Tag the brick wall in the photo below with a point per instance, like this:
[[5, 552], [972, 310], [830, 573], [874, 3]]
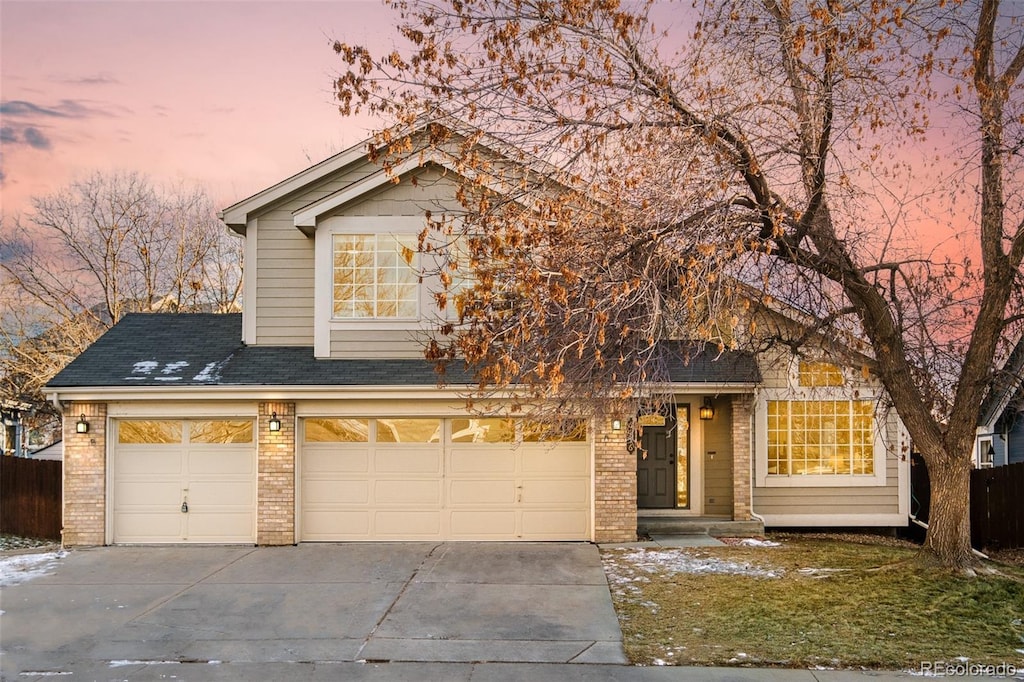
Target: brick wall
[[614, 486], [742, 406], [85, 476], [275, 515]]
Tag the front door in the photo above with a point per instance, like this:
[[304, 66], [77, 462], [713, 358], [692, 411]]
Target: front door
[[656, 467]]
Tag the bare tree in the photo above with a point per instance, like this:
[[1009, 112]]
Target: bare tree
[[771, 143], [99, 248]]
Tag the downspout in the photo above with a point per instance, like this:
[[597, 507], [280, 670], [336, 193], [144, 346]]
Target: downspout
[[753, 455]]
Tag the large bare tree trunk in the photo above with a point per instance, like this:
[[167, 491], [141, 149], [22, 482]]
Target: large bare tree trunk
[[949, 519]]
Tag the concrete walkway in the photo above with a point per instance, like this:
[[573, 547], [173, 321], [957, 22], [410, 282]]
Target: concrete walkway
[[408, 611]]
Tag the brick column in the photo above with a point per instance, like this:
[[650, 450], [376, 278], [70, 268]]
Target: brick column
[[85, 476], [614, 485], [275, 512], [741, 447]]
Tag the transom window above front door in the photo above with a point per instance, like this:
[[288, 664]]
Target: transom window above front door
[[375, 276]]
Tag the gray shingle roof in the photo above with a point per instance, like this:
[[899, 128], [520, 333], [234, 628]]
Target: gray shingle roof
[[174, 350]]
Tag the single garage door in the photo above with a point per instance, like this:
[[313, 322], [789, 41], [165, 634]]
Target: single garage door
[[180, 481], [442, 479]]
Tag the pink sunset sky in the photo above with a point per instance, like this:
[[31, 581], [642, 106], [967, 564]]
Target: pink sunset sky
[[233, 95]]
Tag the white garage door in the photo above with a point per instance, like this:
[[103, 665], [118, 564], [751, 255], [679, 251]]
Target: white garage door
[[184, 481], [441, 479]]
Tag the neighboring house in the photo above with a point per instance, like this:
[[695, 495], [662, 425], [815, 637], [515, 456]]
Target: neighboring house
[[1000, 438], [53, 452], [312, 415]]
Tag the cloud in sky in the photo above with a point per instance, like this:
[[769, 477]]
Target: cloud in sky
[[66, 108], [95, 79], [27, 135]]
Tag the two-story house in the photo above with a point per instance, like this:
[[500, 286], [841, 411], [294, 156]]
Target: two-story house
[[312, 415]]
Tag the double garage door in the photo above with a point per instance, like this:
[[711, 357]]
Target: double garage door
[[195, 481], [442, 479]]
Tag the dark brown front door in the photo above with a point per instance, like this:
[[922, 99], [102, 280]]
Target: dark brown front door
[[656, 473]]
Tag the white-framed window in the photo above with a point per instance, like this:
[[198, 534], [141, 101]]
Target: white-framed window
[[375, 276], [820, 430]]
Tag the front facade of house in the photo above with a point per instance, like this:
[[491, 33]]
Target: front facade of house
[[312, 416]]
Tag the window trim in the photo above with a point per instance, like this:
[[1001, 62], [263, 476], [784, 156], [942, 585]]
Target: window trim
[[324, 322], [836, 393]]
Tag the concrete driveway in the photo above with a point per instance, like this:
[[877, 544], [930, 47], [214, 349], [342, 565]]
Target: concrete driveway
[[115, 607]]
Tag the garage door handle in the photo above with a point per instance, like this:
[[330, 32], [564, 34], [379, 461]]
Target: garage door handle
[[184, 507]]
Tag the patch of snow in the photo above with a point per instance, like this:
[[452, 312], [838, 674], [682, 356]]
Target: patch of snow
[[42, 673], [145, 367], [172, 367], [674, 561], [122, 663], [753, 542], [21, 568], [167, 378], [658, 661], [211, 373]]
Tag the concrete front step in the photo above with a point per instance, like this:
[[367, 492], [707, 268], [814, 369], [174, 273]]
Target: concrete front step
[[661, 524]]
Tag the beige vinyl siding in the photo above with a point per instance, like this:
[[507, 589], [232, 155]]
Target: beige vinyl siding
[[839, 500], [284, 266], [718, 461], [433, 191], [372, 343]]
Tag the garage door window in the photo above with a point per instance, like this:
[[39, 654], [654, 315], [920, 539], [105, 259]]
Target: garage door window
[[221, 431], [483, 430], [149, 431], [337, 430], [537, 432], [408, 430]]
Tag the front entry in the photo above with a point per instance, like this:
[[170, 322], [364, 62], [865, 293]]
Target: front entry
[[662, 467]]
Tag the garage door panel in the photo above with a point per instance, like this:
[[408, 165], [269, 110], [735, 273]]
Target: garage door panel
[[335, 461], [135, 493], [220, 527], [563, 492], [222, 493], [407, 492], [317, 492], [407, 524], [560, 459], [149, 527], [483, 524], [333, 525], [149, 461], [479, 460], [555, 525], [408, 460], [482, 492], [227, 461]]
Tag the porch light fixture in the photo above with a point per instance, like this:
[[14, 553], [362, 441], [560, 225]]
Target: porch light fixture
[[274, 424], [81, 426], [707, 410], [616, 425]]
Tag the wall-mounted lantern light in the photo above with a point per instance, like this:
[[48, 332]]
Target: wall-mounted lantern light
[[81, 426], [274, 424], [616, 425], [707, 410]]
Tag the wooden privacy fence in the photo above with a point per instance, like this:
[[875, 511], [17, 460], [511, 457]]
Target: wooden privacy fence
[[997, 507], [30, 497]]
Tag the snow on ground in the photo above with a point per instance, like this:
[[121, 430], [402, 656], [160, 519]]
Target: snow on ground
[[754, 542], [20, 568], [622, 568]]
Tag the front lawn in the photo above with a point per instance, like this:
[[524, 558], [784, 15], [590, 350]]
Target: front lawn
[[808, 602]]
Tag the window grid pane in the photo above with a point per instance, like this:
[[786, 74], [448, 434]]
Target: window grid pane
[[375, 276], [820, 437]]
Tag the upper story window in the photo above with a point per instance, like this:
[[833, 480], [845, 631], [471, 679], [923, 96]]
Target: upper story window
[[813, 374], [375, 276]]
